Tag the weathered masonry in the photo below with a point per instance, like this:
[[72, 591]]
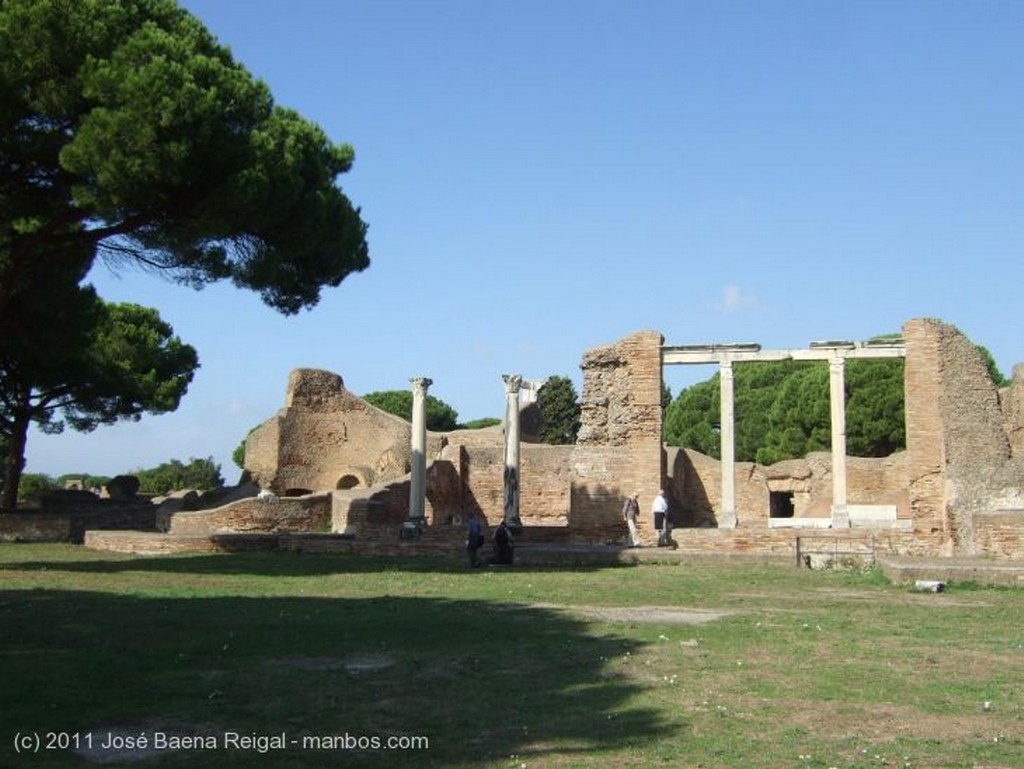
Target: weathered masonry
[[333, 459]]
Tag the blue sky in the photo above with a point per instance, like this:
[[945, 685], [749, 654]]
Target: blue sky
[[543, 177]]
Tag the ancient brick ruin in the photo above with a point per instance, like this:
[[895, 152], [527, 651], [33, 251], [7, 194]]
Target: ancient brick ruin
[[339, 469], [965, 482], [957, 489]]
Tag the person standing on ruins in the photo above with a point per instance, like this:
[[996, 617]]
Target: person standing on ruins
[[659, 508], [630, 511]]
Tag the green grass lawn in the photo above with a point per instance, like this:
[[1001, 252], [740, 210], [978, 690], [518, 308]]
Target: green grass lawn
[[299, 660]]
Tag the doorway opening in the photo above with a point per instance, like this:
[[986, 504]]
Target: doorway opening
[[780, 504]]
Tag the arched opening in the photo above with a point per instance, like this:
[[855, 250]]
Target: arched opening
[[348, 481]]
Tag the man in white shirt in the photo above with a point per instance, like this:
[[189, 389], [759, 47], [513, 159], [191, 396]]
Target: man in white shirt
[[660, 510]]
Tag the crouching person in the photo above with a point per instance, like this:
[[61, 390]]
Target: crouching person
[[504, 547]]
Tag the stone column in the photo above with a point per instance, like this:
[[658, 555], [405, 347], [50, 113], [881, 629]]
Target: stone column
[[837, 403], [727, 433], [511, 510], [418, 459]]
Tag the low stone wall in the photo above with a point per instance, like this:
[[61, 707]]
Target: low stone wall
[[149, 543], [784, 541], [307, 513], [981, 571], [35, 527], [313, 543], [71, 526]]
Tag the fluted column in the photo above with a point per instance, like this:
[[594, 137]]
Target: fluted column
[[511, 510]]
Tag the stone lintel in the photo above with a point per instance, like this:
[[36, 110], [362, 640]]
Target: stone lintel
[[714, 354]]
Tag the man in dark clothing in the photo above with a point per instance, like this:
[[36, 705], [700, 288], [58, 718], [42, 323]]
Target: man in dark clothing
[[504, 547]]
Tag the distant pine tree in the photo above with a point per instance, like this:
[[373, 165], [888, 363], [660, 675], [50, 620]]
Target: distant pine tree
[[559, 411]]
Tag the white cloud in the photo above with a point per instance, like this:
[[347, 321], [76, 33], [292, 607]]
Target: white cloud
[[734, 299], [236, 408]]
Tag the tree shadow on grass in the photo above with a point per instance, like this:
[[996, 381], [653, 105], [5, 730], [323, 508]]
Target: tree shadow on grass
[[482, 681], [270, 563]]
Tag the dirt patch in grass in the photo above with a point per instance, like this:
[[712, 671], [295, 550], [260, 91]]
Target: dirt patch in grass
[[781, 602], [655, 615]]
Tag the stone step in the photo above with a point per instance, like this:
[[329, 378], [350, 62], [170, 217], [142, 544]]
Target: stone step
[[902, 570]]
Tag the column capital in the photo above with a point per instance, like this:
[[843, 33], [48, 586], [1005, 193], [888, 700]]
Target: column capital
[[512, 382], [421, 383]]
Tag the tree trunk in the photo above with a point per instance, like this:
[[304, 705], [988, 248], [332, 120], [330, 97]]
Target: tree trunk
[[15, 461]]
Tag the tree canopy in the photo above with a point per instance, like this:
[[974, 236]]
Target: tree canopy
[[127, 361], [203, 474], [559, 411], [127, 131], [482, 422], [993, 368], [440, 416], [782, 410]]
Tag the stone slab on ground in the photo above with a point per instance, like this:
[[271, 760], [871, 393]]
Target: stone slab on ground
[[901, 570]]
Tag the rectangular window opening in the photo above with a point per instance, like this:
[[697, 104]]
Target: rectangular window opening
[[781, 504]]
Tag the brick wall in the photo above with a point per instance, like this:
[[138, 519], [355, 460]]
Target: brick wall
[[1000, 534], [545, 478], [602, 478], [619, 445], [960, 465], [925, 444]]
